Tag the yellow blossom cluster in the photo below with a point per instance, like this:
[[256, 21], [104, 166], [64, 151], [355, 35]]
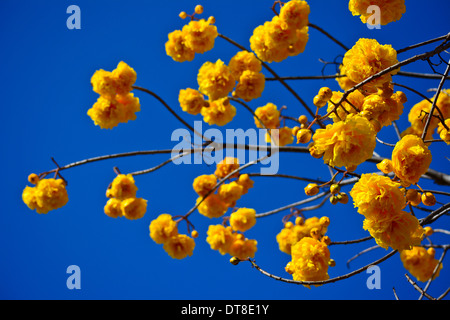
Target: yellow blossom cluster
[[268, 117], [365, 59], [380, 200], [246, 69], [46, 195], [122, 199], [294, 232], [228, 241], [285, 35], [215, 204], [390, 10], [198, 36], [116, 104], [345, 143], [420, 112], [420, 262], [164, 230], [310, 258]]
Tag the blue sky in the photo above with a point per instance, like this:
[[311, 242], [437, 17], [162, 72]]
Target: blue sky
[[46, 93]]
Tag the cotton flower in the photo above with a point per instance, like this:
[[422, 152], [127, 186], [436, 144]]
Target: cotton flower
[[293, 233], [119, 81], [410, 159], [346, 143], [191, 101], [226, 166], [244, 61], [220, 238], [243, 219], [269, 115], [377, 197], [354, 105], [215, 80], [250, 85], [280, 137], [200, 35], [390, 10], [421, 263], [229, 193], [444, 134], [401, 232], [295, 13], [243, 248], [163, 228], [383, 109], [113, 208], [134, 208], [212, 206], [47, 195], [219, 112], [122, 187], [176, 47], [179, 246], [310, 260], [366, 58], [246, 183], [204, 184]]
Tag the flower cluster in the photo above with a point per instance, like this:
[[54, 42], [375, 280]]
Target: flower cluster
[[198, 36], [285, 35], [420, 262], [390, 11], [268, 117], [116, 104], [246, 69], [215, 205], [46, 195], [310, 258], [381, 202], [365, 59], [294, 232], [122, 199], [164, 230], [345, 143], [228, 241]]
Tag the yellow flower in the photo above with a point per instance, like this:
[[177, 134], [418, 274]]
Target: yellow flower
[[215, 80], [344, 82], [219, 112], [243, 248], [220, 238], [119, 81], [229, 193], [443, 103], [281, 137], [346, 143], [421, 263], [410, 159], [356, 99], [383, 109], [401, 232], [366, 58], [226, 166], [47, 195], [246, 183], [299, 44], [444, 134], [295, 13], [109, 112], [191, 101], [378, 197], [113, 208], [250, 85], [122, 187], [242, 61], [212, 206], [390, 10], [243, 219], [134, 208], [179, 246], [269, 116], [176, 47], [199, 35], [163, 228], [310, 259], [204, 184], [291, 234]]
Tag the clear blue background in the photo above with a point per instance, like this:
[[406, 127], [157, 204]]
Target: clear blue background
[[46, 92]]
